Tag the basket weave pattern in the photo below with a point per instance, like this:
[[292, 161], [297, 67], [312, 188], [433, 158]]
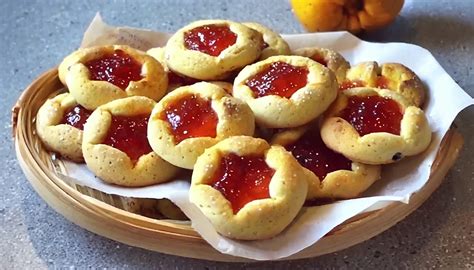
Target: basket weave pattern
[[119, 218]]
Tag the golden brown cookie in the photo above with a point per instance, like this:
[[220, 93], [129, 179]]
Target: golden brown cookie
[[273, 43], [330, 175], [328, 58], [153, 208], [375, 126], [192, 118], [116, 148], [101, 74], [174, 80], [228, 87], [212, 49], [391, 76], [59, 124], [159, 54], [286, 91], [248, 189]]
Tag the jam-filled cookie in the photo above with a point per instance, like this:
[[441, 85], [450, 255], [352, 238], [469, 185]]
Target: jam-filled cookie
[[286, 91], [212, 49], [228, 87], [375, 126], [248, 189], [174, 80], [273, 43], [101, 74], [59, 124], [192, 118], [328, 58], [330, 175], [391, 76], [116, 148]]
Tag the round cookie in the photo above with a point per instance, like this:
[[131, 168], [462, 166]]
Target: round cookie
[[192, 118], [328, 58], [59, 124], [273, 43], [225, 189], [228, 87], [174, 80], [330, 175], [101, 74], [212, 49], [391, 76], [375, 126], [116, 148], [286, 91]]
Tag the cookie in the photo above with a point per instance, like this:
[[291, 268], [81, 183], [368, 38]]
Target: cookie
[[392, 76], [330, 175], [286, 91], [59, 124], [212, 49], [375, 126], [273, 43], [116, 148], [174, 80], [192, 118], [97, 75], [248, 189], [328, 58]]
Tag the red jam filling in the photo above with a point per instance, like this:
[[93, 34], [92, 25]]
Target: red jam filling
[[314, 155], [382, 82], [320, 59], [264, 45], [191, 117], [350, 84], [76, 117], [280, 79], [180, 79], [209, 39], [129, 134], [242, 179], [373, 114], [117, 68]]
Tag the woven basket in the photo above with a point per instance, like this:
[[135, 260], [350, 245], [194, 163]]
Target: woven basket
[[118, 218]]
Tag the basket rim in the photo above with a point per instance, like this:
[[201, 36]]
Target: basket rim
[[29, 161]]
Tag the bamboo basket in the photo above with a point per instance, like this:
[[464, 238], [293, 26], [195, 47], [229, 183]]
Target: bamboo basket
[[115, 218]]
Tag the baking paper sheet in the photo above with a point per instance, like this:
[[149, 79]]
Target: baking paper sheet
[[445, 100]]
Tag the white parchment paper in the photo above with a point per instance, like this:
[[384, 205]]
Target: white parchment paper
[[445, 100]]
